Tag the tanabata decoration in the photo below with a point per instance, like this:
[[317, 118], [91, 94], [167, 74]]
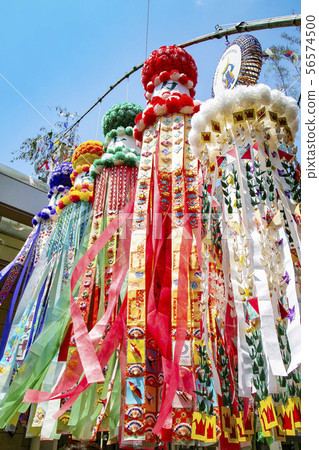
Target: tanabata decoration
[[43, 223], [184, 296], [115, 175], [164, 294], [160, 317], [48, 286], [244, 139], [22, 328], [240, 64]]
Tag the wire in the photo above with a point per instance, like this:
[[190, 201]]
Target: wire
[[147, 23], [26, 100]]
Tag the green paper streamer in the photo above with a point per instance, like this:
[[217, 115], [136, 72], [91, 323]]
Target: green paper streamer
[[47, 344]]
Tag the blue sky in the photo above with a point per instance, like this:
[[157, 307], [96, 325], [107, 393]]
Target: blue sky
[[68, 53]]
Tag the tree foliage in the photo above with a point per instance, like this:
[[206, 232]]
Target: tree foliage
[[50, 147], [283, 64]]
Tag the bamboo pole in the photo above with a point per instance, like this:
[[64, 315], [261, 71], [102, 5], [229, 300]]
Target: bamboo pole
[[255, 25], [240, 27]]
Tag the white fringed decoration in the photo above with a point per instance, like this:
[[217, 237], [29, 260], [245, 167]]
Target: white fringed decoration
[[245, 137]]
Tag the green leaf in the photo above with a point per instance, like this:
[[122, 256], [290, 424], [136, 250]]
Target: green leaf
[[296, 376], [269, 180], [282, 381], [224, 373], [226, 398], [256, 383], [256, 335], [224, 360], [286, 359], [249, 176], [201, 394], [271, 197], [249, 340], [200, 378], [224, 386], [224, 184], [220, 350], [291, 390], [283, 397], [260, 361], [262, 375], [226, 193], [252, 355], [255, 368], [259, 347], [200, 350], [265, 391], [202, 406], [276, 397]]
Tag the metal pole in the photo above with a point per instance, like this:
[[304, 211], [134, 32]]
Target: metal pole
[[254, 25]]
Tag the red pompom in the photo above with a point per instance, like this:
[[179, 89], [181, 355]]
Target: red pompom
[[183, 79], [173, 104], [138, 135], [164, 76], [138, 117], [186, 100], [157, 100], [150, 88], [149, 116], [167, 59]]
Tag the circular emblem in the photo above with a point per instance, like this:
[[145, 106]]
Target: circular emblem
[[240, 64]]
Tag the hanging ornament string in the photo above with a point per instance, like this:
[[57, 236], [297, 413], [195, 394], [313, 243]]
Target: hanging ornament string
[[127, 87], [98, 120], [147, 23]]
